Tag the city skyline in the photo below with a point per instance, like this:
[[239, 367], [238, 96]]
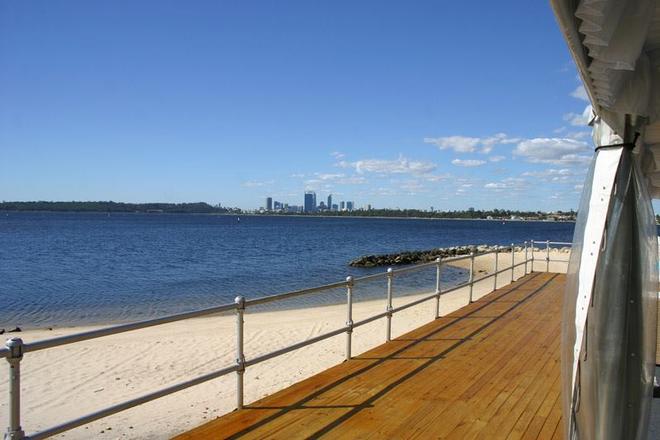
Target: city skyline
[[309, 204]]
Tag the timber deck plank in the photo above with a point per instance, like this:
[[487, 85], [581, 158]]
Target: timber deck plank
[[488, 370]]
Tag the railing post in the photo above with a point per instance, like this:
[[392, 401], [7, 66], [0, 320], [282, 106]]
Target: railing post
[[497, 253], [14, 430], [438, 273], [531, 269], [471, 273], [240, 354], [547, 256], [349, 315], [525, 257], [513, 260], [390, 278]]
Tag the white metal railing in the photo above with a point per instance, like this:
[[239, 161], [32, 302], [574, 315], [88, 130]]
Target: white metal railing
[[15, 348]]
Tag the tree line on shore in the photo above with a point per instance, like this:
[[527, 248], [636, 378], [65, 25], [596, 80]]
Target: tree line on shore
[[205, 208], [173, 208], [455, 214]]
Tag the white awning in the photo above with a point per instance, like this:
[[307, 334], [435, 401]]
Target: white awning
[[616, 47]]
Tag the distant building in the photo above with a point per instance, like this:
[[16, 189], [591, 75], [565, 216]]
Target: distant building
[[329, 201], [269, 203], [349, 206], [277, 206], [369, 207], [342, 205], [310, 201], [335, 207], [322, 206]]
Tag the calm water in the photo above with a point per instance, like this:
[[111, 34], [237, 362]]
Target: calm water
[[64, 269]]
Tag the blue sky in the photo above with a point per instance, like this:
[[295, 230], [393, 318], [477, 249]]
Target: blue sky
[[396, 104]]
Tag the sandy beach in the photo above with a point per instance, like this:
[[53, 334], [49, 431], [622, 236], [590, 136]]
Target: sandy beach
[[66, 382]]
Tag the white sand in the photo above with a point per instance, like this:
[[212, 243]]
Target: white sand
[[66, 382]]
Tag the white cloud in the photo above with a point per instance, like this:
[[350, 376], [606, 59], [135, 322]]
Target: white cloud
[[574, 119], [579, 120], [437, 177], [468, 162], [553, 175], [257, 183], [510, 184], [412, 186], [398, 166], [495, 185], [338, 178], [578, 135], [550, 172], [352, 180], [323, 176], [460, 144], [337, 155], [496, 158], [464, 144], [558, 151], [580, 93]]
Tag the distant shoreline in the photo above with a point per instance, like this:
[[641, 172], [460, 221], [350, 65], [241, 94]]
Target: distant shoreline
[[225, 214]]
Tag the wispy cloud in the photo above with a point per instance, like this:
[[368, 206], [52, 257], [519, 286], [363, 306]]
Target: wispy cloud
[[496, 158], [436, 177], [579, 120], [464, 144], [509, 184], [554, 175], [469, 163], [558, 151], [334, 178], [580, 93], [578, 135], [412, 186], [337, 155], [401, 165], [257, 183]]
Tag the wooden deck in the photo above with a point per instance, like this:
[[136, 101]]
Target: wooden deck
[[489, 370]]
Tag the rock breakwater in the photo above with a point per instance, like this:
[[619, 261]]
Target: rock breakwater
[[417, 257]]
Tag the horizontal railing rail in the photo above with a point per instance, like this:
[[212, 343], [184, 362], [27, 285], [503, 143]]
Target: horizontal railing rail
[[15, 348]]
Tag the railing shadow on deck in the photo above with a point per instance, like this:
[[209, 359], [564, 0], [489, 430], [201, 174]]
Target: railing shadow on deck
[[395, 355]]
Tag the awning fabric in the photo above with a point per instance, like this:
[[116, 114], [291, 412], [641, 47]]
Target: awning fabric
[[610, 307], [616, 47]]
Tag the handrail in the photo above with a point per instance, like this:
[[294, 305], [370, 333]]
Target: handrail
[[15, 348], [130, 403], [281, 296], [121, 328], [558, 243]]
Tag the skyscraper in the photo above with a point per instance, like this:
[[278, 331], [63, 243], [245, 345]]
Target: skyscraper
[[269, 203], [342, 205], [349, 206], [310, 201], [329, 201]]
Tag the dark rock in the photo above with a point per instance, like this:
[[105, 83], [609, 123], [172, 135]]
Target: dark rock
[[15, 330], [416, 257]]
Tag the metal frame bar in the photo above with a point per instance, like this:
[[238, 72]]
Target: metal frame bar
[[15, 348]]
